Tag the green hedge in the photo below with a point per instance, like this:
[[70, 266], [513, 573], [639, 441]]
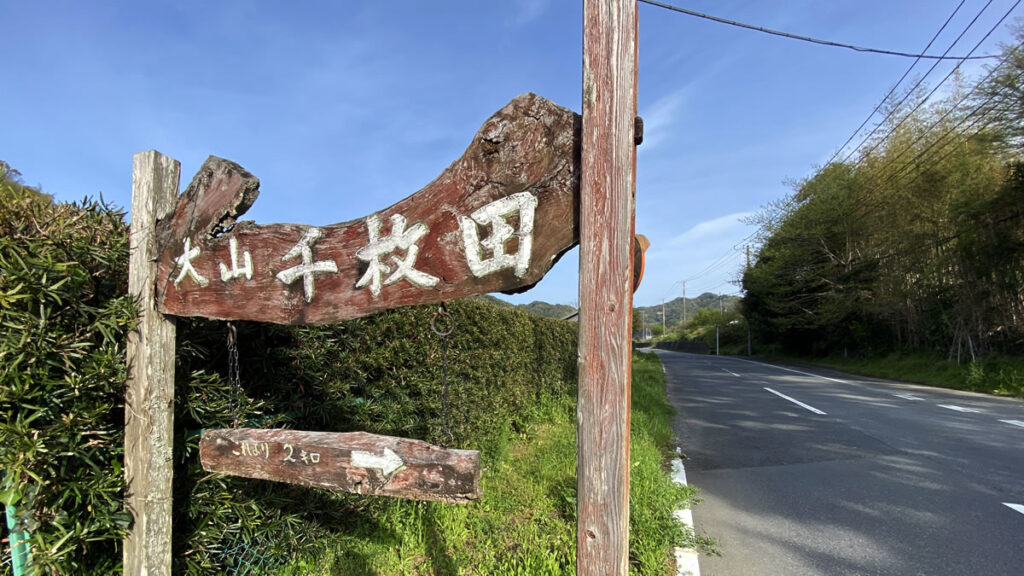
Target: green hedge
[[65, 316]]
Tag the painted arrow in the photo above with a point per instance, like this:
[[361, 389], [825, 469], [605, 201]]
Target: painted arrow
[[387, 463]]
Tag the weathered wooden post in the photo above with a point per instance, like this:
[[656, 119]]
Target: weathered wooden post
[[149, 398], [608, 176]]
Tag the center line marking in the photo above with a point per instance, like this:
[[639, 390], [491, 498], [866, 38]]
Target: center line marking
[[794, 401], [731, 372], [1017, 507], [1014, 422], [907, 396], [957, 408]]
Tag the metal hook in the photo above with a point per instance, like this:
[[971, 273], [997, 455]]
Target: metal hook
[[447, 317]]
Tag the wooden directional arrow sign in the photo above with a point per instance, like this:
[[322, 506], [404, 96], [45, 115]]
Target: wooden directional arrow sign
[[497, 219], [356, 462]]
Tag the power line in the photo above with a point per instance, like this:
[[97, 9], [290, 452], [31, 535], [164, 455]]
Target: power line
[[896, 85], [899, 105], [943, 81], [982, 107], [806, 38], [724, 260], [864, 155]]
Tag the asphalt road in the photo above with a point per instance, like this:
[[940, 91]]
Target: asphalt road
[[866, 477]]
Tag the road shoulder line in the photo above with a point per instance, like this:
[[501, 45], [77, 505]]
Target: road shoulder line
[[687, 562], [790, 370]]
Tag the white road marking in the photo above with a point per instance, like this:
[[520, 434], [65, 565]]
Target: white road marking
[[908, 397], [1017, 507], [792, 370], [957, 408], [731, 372], [1014, 422], [794, 401], [687, 563]]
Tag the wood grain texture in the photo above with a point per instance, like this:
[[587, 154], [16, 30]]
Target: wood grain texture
[[356, 462], [608, 167], [531, 145], [149, 397]]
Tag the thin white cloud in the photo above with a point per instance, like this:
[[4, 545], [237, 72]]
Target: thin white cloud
[[660, 117], [529, 10], [723, 226]]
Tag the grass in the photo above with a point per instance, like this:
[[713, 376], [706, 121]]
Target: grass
[[996, 374], [526, 522]]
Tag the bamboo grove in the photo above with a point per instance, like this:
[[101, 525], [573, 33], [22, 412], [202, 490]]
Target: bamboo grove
[[915, 243]]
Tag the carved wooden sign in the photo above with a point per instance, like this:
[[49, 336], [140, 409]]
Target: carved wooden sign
[[356, 462], [497, 219]]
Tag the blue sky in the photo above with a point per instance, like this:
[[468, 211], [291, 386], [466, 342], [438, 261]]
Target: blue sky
[[343, 108]]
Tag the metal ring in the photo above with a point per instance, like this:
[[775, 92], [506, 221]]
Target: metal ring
[[442, 313]]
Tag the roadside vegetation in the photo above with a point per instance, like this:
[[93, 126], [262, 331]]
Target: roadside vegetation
[[526, 522], [995, 374], [907, 258]]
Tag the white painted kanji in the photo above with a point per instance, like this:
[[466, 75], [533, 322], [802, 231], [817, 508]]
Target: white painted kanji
[[187, 269], [398, 239], [236, 272], [496, 215], [308, 269]]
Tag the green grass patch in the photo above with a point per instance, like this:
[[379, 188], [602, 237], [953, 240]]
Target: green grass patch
[[996, 374], [526, 522]]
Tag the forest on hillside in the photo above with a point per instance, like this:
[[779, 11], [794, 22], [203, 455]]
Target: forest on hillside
[[675, 308], [915, 242]]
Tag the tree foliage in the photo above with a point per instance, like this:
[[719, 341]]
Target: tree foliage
[[918, 244]]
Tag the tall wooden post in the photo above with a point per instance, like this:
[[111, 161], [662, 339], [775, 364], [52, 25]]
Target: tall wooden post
[[608, 176], [149, 399]]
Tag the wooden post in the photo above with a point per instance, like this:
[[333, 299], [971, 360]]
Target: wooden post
[[149, 398], [608, 172]]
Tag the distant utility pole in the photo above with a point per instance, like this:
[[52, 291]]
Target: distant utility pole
[[684, 302], [721, 307], [663, 316], [716, 339]]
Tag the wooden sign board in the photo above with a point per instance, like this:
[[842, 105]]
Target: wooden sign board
[[356, 462], [496, 220]]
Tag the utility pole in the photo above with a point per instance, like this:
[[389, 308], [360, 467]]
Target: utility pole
[[608, 138], [716, 339], [684, 302], [662, 316]]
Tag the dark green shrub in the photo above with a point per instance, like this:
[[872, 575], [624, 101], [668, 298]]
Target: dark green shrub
[[65, 316]]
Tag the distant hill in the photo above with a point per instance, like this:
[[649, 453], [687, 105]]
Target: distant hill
[[536, 307], [674, 308]]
